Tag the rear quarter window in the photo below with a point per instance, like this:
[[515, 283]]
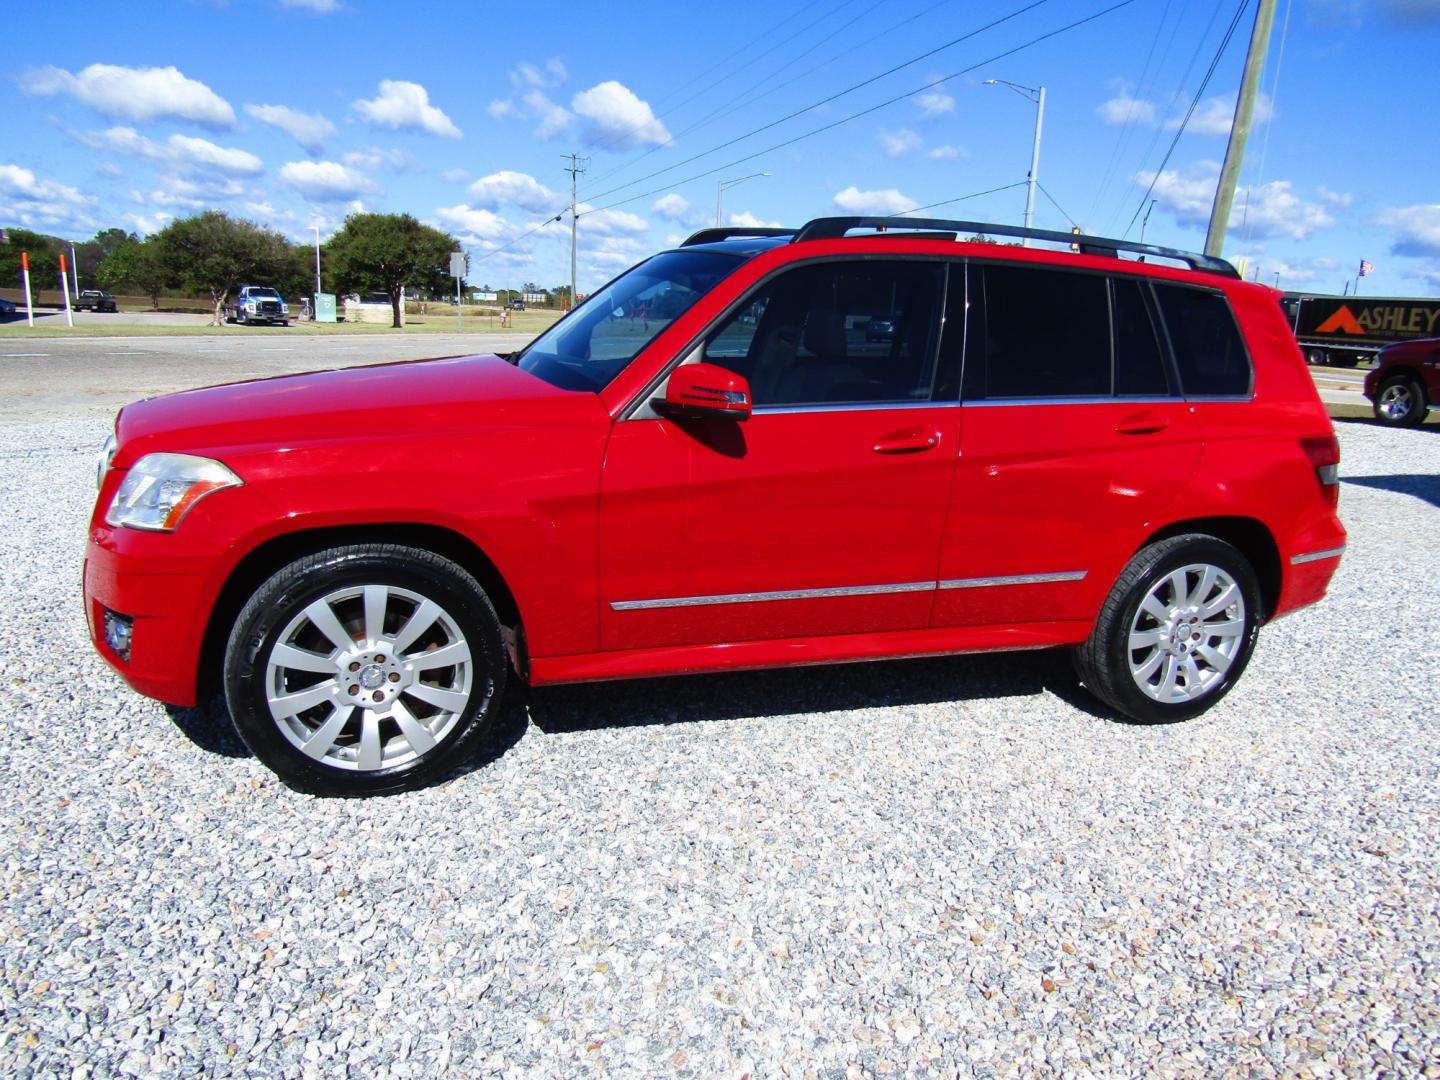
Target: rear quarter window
[[1209, 351]]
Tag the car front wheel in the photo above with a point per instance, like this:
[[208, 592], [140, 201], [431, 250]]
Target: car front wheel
[[1400, 402], [1176, 631], [365, 670]]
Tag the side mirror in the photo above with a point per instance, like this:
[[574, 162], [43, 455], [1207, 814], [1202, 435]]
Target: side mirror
[[705, 391]]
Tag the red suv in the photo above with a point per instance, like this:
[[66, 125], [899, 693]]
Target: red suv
[[712, 465]]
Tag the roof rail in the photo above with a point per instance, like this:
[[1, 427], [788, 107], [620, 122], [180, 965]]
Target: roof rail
[[833, 228], [712, 236]]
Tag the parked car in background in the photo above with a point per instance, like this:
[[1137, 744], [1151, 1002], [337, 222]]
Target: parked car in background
[[257, 304], [9, 310], [1405, 383], [362, 559], [94, 300]]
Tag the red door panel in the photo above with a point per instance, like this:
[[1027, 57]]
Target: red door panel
[[1047, 492], [845, 506]]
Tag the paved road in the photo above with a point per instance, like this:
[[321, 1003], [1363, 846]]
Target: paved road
[[73, 376], [58, 377]]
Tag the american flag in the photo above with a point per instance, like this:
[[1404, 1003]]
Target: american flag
[[1366, 267]]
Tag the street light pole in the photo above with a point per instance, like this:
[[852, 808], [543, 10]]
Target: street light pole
[[721, 185], [1036, 95]]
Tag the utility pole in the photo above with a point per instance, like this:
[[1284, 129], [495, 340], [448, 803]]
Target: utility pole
[[574, 170], [1240, 129]]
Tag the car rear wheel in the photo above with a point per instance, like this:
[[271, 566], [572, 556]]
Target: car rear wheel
[[365, 670], [1176, 631], [1400, 402]]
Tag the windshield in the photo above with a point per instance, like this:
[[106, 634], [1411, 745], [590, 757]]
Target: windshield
[[263, 294], [592, 345]]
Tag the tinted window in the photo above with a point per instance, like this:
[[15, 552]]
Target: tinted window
[[1139, 363], [1037, 333], [836, 333], [594, 343], [1208, 350]]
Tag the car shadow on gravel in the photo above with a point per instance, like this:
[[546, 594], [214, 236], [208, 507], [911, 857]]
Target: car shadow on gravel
[[1420, 485], [1429, 427], [788, 691]]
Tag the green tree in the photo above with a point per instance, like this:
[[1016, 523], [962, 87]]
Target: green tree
[[214, 253], [44, 261], [132, 265], [375, 252]]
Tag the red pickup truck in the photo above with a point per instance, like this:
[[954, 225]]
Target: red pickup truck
[[1405, 383]]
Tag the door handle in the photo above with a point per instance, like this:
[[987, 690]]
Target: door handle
[[909, 441], [1141, 423]]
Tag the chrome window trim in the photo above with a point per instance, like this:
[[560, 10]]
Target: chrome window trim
[[1316, 556], [1011, 579], [982, 403], [782, 594], [858, 406]]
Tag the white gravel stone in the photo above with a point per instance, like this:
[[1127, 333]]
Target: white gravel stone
[[944, 867]]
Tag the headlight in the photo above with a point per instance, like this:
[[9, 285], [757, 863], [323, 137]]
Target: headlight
[[249, 305], [160, 489], [107, 455]]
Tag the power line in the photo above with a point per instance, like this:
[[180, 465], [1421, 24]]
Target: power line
[[839, 94], [961, 198], [865, 112], [704, 87], [1195, 101], [727, 104], [1057, 206]]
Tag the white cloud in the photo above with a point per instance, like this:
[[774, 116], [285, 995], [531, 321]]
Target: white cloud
[[1415, 229], [948, 153], [179, 151], [406, 105], [323, 7], [372, 157], [190, 194], [553, 118], [1271, 209], [672, 207], [935, 101], [854, 201], [309, 130], [527, 74], [747, 220], [455, 176], [1214, 115], [476, 226], [326, 180], [506, 188], [137, 94], [529, 98], [899, 143], [617, 118], [17, 182], [149, 223], [1124, 109], [611, 222]]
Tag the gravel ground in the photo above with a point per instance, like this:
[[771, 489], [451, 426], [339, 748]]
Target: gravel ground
[[946, 867]]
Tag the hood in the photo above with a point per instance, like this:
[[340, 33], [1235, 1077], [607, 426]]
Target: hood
[[381, 401]]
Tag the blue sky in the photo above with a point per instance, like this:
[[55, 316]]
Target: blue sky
[[294, 112]]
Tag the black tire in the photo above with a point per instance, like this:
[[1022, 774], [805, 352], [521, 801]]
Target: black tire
[[1317, 357], [1400, 402], [353, 761], [1105, 662]]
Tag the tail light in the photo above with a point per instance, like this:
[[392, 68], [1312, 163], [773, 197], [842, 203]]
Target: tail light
[[1323, 452]]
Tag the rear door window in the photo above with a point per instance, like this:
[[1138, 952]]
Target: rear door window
[[1140, 368], [1037, 333], [1209, 351]]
